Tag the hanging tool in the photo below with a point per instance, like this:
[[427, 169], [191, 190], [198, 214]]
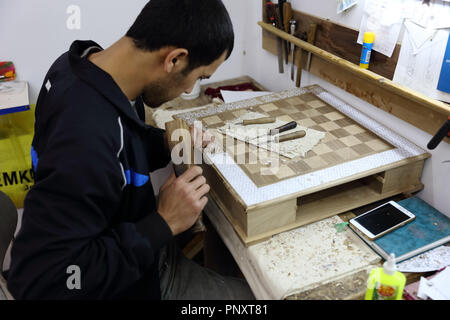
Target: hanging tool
[[258, 121], [280, 129], [272, 16], [292, 24], [303, 37], [311, 39], [287, 16]]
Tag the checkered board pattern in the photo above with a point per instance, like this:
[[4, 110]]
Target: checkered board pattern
[[345, 139]]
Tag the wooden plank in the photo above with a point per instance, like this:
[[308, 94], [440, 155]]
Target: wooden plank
[[411, 106], [267, 219], [403, 176], [341, 181]]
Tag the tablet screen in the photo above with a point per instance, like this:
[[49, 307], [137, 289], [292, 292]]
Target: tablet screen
[[382, 219]]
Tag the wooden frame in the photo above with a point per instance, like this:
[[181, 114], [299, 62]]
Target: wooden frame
[[413, 107]]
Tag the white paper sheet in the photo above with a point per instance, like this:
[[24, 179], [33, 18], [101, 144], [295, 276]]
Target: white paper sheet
[[385, 19], [233, 96], [421, 71], [437, 288]]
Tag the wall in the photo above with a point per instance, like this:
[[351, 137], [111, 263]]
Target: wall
[[262, 66]]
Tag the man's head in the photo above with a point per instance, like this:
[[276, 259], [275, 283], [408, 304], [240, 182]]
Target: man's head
[[193, 37]]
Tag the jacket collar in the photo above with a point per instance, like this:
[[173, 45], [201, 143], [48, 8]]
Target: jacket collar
[[103, 82]]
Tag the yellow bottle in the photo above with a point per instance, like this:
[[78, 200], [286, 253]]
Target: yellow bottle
[[385, 283], [368, 40]]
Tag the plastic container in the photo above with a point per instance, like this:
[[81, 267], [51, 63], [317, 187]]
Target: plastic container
[[385, 283], [368, 40]]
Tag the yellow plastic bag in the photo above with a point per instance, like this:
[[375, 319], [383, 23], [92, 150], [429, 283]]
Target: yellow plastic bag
[[16, 173]]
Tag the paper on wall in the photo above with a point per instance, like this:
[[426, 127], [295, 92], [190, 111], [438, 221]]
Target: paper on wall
[[420, 69], [385, 19]]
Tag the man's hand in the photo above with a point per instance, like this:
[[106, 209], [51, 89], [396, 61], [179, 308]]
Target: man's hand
[[182, 199], [200, 137]]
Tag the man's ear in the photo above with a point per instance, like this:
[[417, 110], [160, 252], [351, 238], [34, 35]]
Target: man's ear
[[176, 59]]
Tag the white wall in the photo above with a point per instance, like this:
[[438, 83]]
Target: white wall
[[33, 34]]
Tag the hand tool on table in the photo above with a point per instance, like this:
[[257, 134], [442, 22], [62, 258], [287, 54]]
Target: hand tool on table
[[290, 136], [292, 24], [272, 16], [301, 36], [283, 128], [280, 129], [285, 15], [258, 121], [311, 38]]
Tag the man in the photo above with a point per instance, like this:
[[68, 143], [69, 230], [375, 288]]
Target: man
[[91, 227]]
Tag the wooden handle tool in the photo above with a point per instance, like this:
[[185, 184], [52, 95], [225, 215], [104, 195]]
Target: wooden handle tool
[[259, 121], [283, 128], [291, 136]]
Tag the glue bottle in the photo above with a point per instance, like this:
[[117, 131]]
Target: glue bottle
[[369, 37], [386, 283]]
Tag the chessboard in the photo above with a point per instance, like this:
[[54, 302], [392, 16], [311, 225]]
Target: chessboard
[[357, 162], [345, 139]]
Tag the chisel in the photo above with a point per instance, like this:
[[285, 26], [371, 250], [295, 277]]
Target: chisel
[[258, 121], [273, 17], [283, 128], [293, 25], [280, 129], [287, 16], [311, 39], [282, 10], [290, 136]]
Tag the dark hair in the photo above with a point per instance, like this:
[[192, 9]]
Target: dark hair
[[203, 27]]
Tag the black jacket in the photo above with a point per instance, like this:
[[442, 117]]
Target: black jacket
[[92, 205]]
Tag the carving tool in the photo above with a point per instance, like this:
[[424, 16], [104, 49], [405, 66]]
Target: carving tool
[[283, 128], [311, 39], [293, 25], [290, 136], [272, 16], [302, 36], [286, 16], [258, 121]]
